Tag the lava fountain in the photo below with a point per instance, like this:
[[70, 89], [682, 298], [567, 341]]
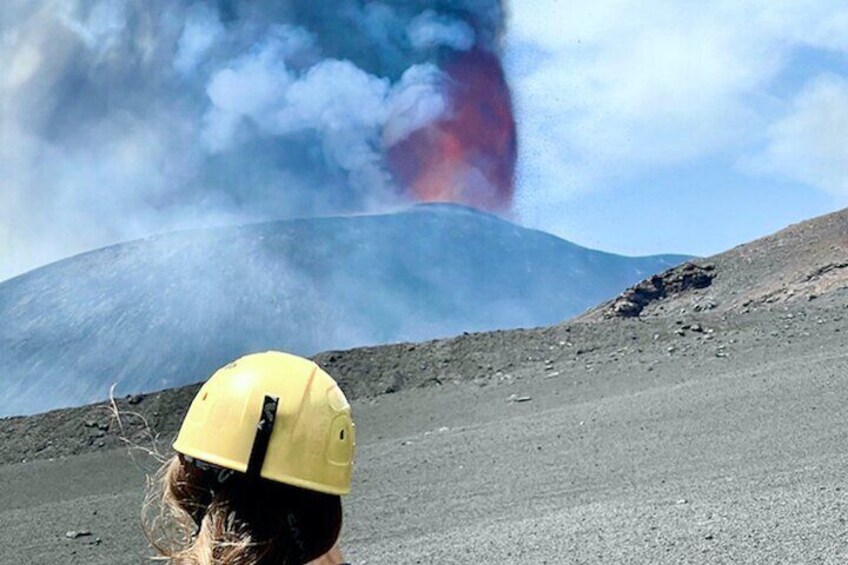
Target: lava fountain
[[467, 156]]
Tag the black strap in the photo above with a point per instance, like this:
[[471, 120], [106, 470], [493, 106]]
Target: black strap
[[263, 435]]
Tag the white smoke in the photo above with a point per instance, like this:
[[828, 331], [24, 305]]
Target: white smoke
[[415, 101], [431, 30], [123, 118], [201, 31]]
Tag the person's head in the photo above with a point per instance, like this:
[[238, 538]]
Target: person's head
[[263, 455]]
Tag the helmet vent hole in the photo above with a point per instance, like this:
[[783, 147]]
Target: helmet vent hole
[[205, 394], [341, 435]]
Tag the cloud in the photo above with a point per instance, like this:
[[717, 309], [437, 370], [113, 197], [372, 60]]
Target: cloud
[[201, 30], [810, 143], [820, 24], [620, 89], [430, 30], [626, 86]]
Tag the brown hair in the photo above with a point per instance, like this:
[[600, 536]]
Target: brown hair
[[203, 515]]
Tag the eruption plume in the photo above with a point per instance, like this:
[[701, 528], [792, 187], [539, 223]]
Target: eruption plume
[[122, 118], [468, 155]]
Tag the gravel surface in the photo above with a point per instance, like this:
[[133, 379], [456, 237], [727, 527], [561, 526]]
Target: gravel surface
[[680, 436], [613, 442]]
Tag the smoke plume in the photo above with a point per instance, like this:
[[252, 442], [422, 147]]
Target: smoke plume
[[122, 118]]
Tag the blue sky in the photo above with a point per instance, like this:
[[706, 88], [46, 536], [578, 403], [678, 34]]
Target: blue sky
[[658, 126]]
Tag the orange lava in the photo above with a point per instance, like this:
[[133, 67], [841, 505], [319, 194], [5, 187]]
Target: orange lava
[[469, 156]]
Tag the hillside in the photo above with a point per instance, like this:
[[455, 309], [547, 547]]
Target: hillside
[[167, 310], [802, 263], [684, 435]]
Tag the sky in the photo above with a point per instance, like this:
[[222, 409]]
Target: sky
[[653, 126], [644, 127]]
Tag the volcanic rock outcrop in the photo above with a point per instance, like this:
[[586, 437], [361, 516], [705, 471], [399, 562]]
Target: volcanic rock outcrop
[[804, 262], [634, 300]]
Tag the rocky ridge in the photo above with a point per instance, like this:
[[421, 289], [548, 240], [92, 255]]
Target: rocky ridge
[[802, 263]]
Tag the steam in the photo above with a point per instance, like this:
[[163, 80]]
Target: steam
[[124, 118], [431, 30]]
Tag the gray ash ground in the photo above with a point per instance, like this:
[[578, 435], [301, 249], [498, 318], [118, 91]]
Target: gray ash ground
[[679, 436]]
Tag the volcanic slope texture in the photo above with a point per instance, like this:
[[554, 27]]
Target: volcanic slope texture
[[159, 312], [681, 435]]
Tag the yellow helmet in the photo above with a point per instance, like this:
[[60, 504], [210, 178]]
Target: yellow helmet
[[273, 415]]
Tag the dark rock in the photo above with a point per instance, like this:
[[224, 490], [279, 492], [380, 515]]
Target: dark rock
[[135, 399], [705, 306], [825, 269], [688, 276]]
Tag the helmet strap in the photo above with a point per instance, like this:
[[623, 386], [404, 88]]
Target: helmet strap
[[263, 436], [220, 474], [299, 549]]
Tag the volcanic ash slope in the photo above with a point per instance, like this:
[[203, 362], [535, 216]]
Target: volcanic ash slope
[[168, 310], [685, 434], [805, 262]]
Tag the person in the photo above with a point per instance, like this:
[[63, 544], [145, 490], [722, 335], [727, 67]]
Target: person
[[263, 456]]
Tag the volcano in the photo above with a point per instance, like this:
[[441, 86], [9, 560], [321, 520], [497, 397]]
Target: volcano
[[164, 311]]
